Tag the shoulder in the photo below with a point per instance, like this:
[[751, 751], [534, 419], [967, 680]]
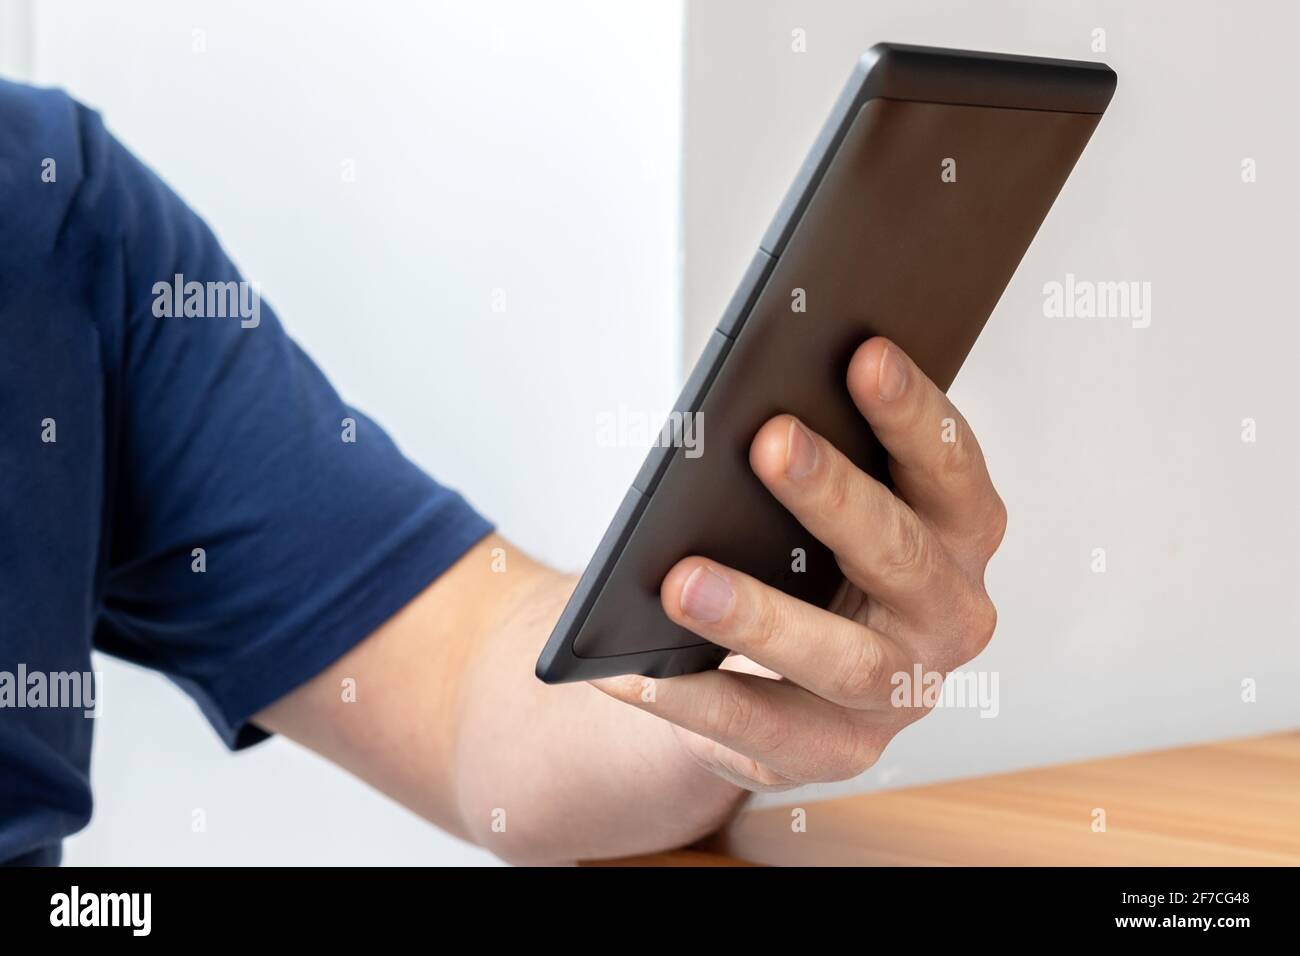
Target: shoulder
[[57, 165]]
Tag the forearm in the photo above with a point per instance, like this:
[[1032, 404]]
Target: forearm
[[552, 773], [448, 719]]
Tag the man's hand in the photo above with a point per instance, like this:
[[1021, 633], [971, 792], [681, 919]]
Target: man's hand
[[449, 719], [818, 705]]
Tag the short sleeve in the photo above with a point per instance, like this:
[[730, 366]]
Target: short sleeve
[[257, 526]]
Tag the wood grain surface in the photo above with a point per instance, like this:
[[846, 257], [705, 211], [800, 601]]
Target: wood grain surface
[[1230, 803]]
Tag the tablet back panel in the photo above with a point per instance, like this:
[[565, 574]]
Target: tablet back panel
[[876, 240]]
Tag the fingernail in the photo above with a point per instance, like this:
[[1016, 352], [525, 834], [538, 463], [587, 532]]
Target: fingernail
[[800, 451], [706, 596], [893, 375]]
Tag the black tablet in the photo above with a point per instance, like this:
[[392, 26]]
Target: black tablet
[[908, 218]]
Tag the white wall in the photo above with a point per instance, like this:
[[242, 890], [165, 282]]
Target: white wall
[[526, 147], [1098, 435]]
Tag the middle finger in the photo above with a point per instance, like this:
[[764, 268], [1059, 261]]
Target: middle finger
[[880, 543]]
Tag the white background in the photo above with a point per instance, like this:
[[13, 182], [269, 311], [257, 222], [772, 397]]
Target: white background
[[538, 149]]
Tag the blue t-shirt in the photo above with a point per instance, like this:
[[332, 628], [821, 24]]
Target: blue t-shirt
[[179, 485]]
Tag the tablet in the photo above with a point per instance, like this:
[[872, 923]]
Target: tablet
[[918, 200]]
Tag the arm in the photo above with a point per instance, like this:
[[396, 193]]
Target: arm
[[450, 721]]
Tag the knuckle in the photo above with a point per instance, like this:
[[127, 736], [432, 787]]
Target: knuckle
[[730, 714], [858, 683], [996, 528], [981, 622], [860, 757], [986, 536], [910, 553], [853, 748], [738, 715]]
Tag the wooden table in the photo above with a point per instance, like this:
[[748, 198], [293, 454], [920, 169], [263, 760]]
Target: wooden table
[[1219, 804]]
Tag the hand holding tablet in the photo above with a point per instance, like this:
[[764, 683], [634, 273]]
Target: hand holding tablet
[[912, 606], [904, 225]]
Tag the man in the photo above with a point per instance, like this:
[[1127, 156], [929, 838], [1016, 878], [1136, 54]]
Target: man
[[182, 488]]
